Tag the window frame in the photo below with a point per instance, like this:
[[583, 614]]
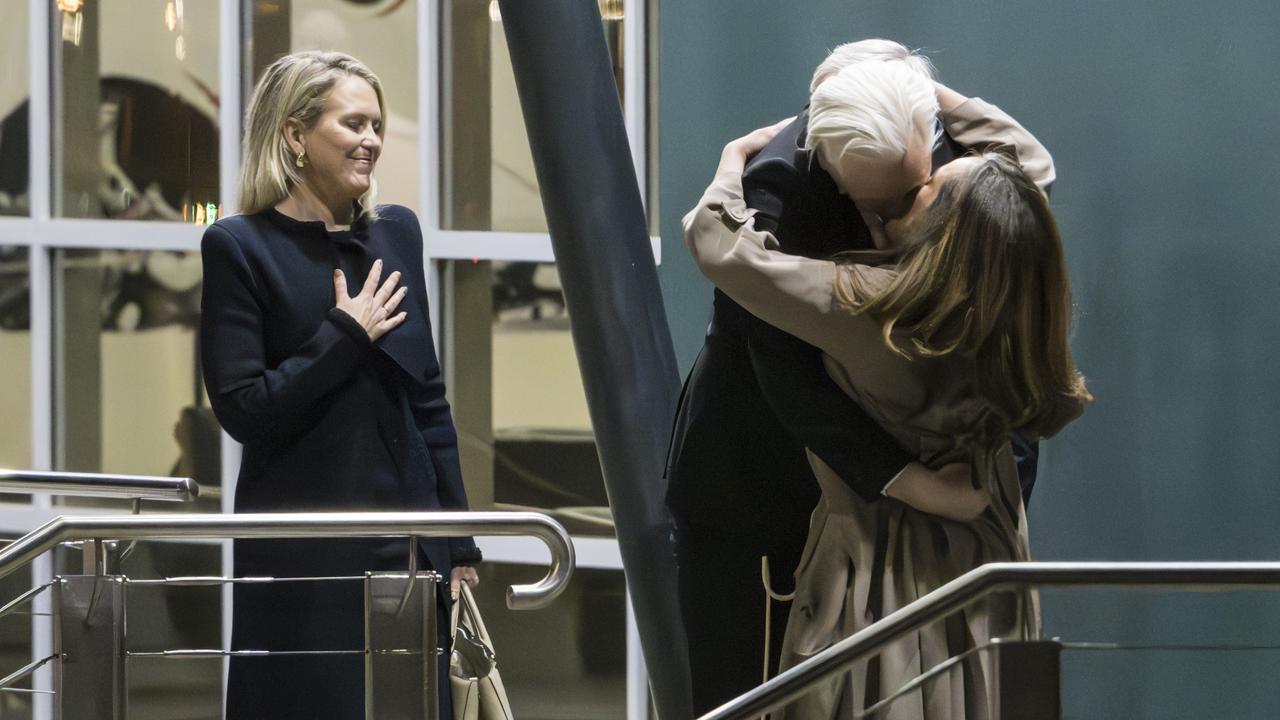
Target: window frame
[[42, 233]]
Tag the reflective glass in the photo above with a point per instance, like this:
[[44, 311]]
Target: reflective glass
[[15, 359], [128, 393], [518, 397], [135, 108], [15, 644], [487, 178], [380, 33], [14, 122], [568, 660]]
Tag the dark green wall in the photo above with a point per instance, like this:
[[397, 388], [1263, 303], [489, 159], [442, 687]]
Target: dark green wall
[[1161, 117]]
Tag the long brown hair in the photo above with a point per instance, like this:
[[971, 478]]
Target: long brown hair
[[983, 275]]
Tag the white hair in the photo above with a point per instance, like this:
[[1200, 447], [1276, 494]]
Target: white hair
[[295, 86], [872, 110], [869, 49]]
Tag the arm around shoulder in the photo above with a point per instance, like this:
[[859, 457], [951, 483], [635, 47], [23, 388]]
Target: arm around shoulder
[[795, 294], [978, 124]]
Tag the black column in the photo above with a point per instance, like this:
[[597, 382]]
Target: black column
[[601, 242]]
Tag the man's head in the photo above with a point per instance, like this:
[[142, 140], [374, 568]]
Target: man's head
[[869, 49], [873, 127]]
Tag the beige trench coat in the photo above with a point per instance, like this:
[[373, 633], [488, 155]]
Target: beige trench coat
[[865, 560]]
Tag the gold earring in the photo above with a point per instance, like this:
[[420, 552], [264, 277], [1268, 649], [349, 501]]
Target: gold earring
[[300, 162]]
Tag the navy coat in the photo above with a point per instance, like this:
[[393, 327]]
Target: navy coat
[[329, 422]]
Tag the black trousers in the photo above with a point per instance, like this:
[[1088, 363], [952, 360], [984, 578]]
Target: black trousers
[[722, 602]]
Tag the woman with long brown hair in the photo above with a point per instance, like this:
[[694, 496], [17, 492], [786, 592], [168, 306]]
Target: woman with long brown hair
[[954, 338]]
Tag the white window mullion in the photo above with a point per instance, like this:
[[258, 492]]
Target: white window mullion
[[229, 93], [637, 673], [38, 37], [429, 54], [501, 245], [634, 87], [99, 234], [41, 449], [41, 320], [39, 192], [232, 29]]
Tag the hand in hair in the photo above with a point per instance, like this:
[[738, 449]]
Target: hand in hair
[[374, 308], [947, 492], [737, 151]]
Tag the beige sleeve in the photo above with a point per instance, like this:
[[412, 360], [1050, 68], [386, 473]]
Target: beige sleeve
[[976, 123], [793, 293]]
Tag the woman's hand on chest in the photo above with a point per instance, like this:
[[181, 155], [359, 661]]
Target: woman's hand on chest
[[375, 306]]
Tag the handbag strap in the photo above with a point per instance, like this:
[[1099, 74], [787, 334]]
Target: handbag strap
[[470, 638], [453, 624], [468, 599], [770, 595]]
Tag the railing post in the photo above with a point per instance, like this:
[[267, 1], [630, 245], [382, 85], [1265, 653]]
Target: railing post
[[89, 675], [401, 684], [1025, 680], [98, 557]]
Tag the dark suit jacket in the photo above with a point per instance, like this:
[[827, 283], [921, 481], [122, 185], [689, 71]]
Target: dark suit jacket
[[329, 422], [756, 396]]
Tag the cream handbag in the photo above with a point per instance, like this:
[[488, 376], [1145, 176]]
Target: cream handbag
[[478, 693]]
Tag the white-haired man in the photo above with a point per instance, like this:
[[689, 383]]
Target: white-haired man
[[873, 126], [740, 486]]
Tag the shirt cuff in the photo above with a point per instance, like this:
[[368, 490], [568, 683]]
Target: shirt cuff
[[463, 551], [349, 325], [885, 490], [725, 195]]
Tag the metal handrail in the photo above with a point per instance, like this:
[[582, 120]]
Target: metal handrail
[[126, 487], [313, 525], [977, 584]]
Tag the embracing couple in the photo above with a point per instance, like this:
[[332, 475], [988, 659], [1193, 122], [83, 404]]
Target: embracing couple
[[890, 321]]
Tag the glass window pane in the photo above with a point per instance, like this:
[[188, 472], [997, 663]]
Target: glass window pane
[[128, 393], [583, 634], [517, 394], [14, 124], [487, 178], [15, 358], [382, 35], [135, 110], [167, 617], [15, 642]]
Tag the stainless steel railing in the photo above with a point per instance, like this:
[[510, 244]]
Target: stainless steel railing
[[101, 649], [975, 585], [125, 487], [310, 525], [100, 657]]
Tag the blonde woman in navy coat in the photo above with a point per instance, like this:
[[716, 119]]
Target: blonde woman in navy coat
[[317, 355]]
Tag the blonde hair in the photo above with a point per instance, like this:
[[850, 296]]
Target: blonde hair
[[983, 275], [295, 86], [869, 49], [872, 110]]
